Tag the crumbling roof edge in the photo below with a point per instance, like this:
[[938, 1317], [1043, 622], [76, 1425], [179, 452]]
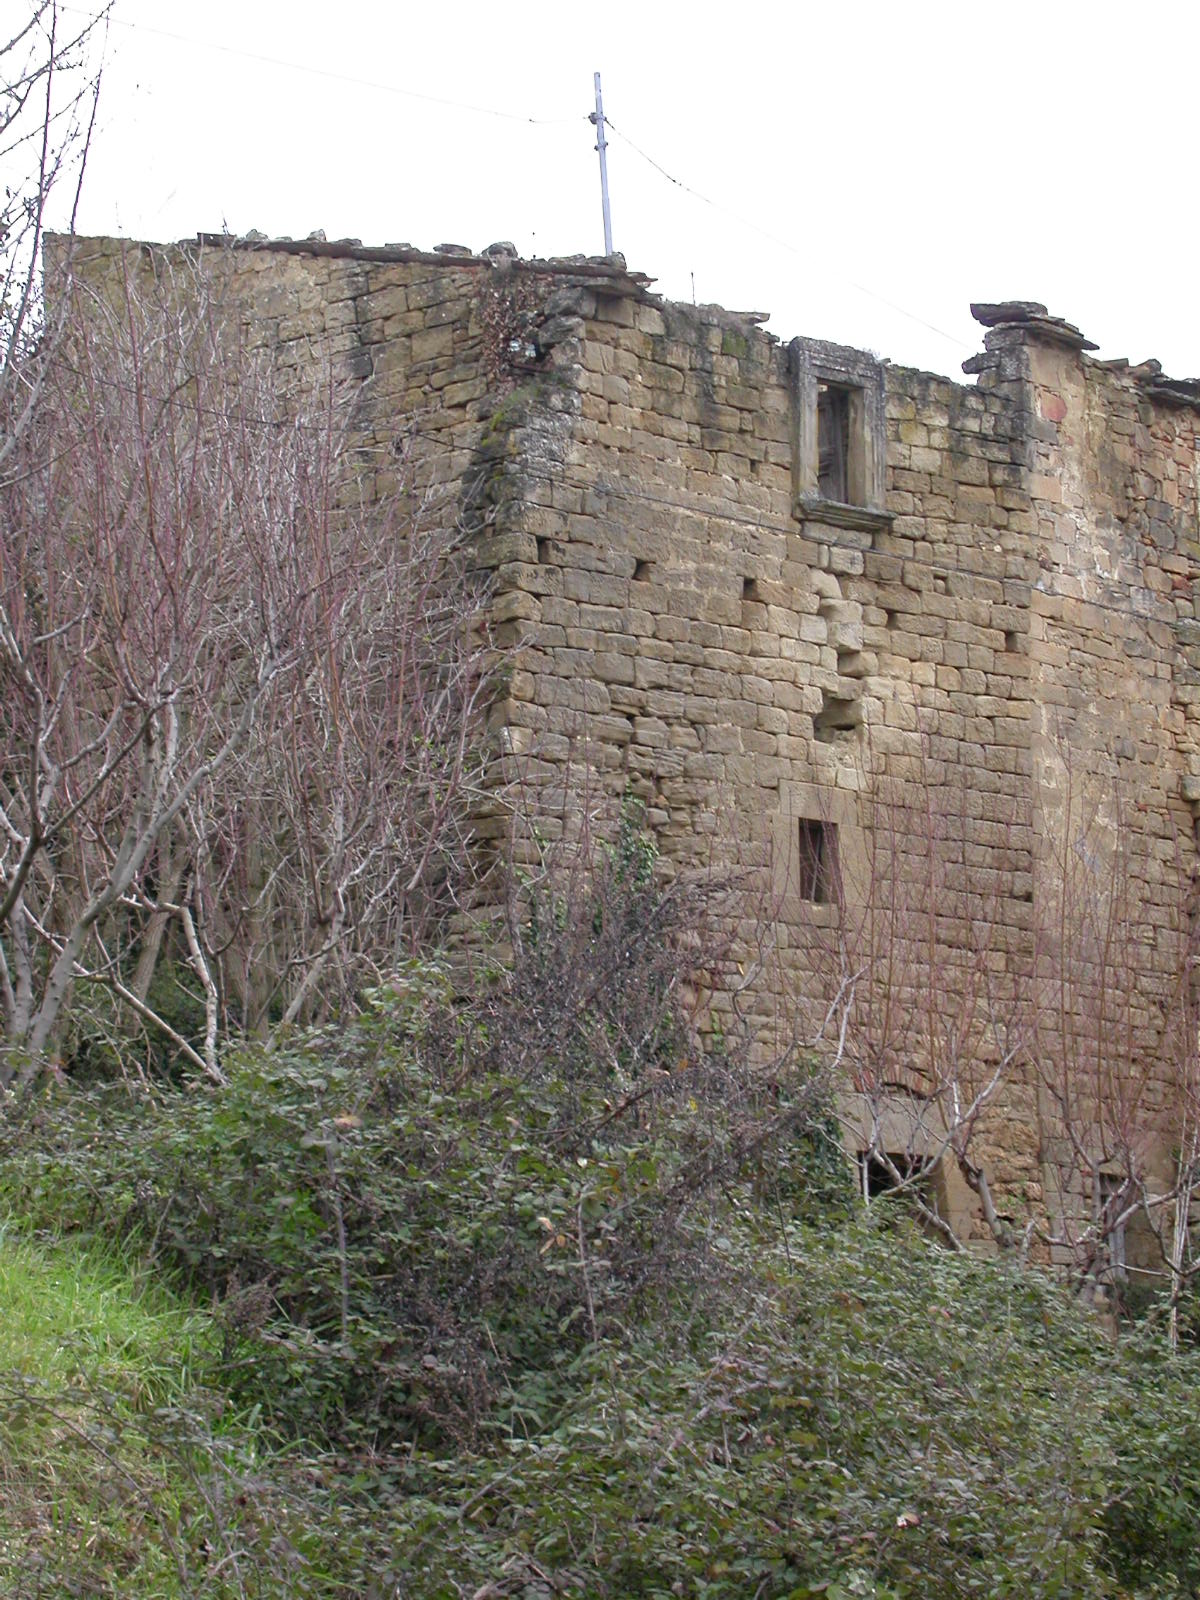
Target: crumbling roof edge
[[609, 274], [611, 268], [1031, 319]]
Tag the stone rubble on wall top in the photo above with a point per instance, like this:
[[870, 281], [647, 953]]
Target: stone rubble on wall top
[[1004, 316], [1030, 314], [613, 267], [991, 314]]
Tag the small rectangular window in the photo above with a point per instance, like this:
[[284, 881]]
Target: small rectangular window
[[879, 1175], [818, 878], [833, 443]]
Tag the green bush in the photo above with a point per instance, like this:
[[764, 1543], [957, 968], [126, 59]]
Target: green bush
[[871, 1417], [555, 1301], [819, 1411], [1151, 1520], [391, 1249], [402, 1217]]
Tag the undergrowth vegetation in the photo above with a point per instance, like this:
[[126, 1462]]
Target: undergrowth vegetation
[[523, 1288], [121, 1471]]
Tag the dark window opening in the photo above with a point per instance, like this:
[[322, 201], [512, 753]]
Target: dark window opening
[[642, 571], [884, 1174], [818, 879], [545, 550], [750, 589], [833, 443]]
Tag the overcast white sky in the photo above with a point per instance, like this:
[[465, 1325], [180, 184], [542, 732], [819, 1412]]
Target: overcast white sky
[[872, 167]]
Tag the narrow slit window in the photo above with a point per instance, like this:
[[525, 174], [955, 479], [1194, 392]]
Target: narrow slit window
[[833, 443], [818, 877]]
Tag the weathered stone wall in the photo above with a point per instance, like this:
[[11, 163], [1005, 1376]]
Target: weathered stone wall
[[984, 674], [1017, 630], [684, 635], [1113, 471], [407, 331]]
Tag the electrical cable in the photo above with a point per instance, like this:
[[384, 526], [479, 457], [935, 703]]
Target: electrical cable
[[541, 122], [336, 77], [783, 244]]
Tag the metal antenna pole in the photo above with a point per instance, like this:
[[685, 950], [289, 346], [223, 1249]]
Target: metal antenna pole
[[597, 117]]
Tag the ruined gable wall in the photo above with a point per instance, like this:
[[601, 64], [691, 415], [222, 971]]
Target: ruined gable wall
[[406, 335], [436, 341]]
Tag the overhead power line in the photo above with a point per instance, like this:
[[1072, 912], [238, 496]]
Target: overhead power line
[[523, 119], [332, 76], [783, 244]]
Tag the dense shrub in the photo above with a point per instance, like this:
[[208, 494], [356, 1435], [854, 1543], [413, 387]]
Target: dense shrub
[[1151, 1517], [860, 1415], [401, 1218], [871, 1417], [555, 1300]]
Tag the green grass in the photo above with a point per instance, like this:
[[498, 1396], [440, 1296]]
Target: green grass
[[72, 1313], [122, 1472], [101, 1482]]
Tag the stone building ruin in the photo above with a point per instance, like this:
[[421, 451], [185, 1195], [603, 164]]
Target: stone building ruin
[[922, 657]]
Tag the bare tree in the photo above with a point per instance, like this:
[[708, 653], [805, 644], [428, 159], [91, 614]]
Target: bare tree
[[366, 761], [237, 688], [1112, 1033], [915, 986], [49, 89], [1069, 1008]]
